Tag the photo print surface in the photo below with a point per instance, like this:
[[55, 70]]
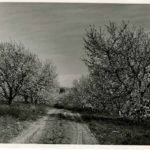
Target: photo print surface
[[75, 73]]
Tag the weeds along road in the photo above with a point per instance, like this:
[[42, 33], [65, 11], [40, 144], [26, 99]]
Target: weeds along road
[[58, 127]]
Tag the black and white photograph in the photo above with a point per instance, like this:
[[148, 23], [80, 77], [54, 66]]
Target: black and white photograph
[[74, 73]]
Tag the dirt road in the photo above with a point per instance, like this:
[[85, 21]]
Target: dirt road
[[81, 131], [33, 132], [60, 124]]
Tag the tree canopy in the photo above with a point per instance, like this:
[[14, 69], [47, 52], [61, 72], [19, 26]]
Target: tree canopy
[[118, 59], [22, 72]]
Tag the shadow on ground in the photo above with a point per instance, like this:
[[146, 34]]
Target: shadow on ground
[[82, 117], [68, 117]]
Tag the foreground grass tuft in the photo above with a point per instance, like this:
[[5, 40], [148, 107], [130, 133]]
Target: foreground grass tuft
[[10, 127], [113, 131], [15, 118]]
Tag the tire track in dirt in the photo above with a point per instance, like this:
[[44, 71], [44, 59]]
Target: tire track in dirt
[[81, 131], [76, 131], [33, 133]]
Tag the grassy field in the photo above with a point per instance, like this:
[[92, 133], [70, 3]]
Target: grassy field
[[118, 131], [15, 118]]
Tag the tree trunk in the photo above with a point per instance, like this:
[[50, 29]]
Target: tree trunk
[[35, 102], [10, 100], [31, 100], [26, 99]]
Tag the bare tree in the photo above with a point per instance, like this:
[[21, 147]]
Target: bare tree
[[118, 59]]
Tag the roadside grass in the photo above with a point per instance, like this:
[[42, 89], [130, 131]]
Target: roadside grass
[[67, 117], [73, 109], [10, 127], [110, 129], [15, 118], [22, 111], [118, 131]]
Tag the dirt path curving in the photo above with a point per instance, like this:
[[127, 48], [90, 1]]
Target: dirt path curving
[[73, 131], [33, 133]]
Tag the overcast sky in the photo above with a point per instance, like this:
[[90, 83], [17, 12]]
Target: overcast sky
[[55, 31]]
